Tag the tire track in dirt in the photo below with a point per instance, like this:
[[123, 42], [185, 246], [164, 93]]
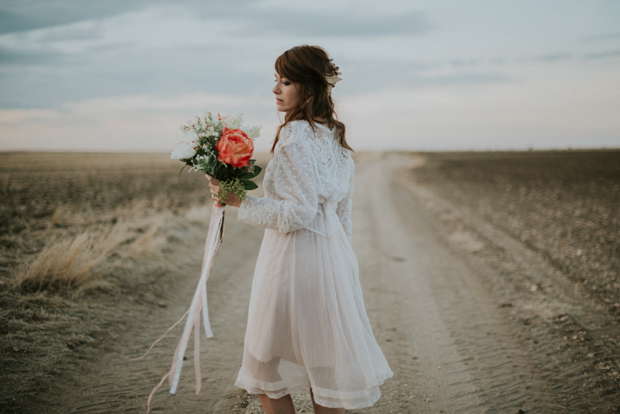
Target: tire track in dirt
[[452, 345], [572, 338], [411, 282]]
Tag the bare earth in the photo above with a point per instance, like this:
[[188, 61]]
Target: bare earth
[[472, 317]]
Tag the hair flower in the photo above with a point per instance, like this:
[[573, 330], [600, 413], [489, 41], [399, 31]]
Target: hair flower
[[332, 79]]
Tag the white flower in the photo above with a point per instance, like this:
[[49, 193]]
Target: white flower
[[211, 132], [186, 149], [233, 122], [222, 120], [252, 132]]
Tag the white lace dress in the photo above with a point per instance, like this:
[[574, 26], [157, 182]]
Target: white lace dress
[[307, 325]]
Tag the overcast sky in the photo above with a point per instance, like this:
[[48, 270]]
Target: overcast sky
[[123, 75]]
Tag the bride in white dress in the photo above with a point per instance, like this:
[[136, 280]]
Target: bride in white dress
[[307, 325]]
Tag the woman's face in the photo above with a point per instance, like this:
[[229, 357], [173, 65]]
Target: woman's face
[[287, 94]]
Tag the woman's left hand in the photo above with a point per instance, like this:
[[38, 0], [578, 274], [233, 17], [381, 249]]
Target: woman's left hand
[[214, 187]]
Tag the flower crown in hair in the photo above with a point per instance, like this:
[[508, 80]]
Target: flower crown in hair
[[332, 79]]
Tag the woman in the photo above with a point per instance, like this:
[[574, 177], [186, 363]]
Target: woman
[[307, 325]]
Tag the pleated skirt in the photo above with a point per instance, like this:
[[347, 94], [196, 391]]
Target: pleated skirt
[[307, 324]]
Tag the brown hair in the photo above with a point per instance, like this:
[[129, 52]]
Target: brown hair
[[307, 66]]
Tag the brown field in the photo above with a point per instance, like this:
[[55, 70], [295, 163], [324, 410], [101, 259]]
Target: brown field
[[81, 235], [565, 205], [512, 259]]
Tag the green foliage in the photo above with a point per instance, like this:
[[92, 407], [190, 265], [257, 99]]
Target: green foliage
[[255, 171], [232, 185], [248, 185]]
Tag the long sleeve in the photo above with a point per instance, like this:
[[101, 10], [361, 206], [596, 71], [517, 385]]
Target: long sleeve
[[345, 205], [295, 184]]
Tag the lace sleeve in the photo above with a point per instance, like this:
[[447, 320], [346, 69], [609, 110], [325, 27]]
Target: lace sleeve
[[295, 184], [345, 205]]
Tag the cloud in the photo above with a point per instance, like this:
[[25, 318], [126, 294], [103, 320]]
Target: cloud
[[74, 50], [326, 24], [31, 15], [81, 32], [606, 36], [547, 111], [366, 75], [20, 16], [554, 57], [21, 56], [125, 69], [51, 78], [464, 79], [133, 123], [603, 55], [163, 104]]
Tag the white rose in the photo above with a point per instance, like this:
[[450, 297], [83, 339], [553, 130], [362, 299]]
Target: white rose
[[185, 149]]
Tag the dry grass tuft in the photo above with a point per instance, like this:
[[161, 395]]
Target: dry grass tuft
[[64, 217], [66, 263], [199, 214], [79, 262], [148, 244]]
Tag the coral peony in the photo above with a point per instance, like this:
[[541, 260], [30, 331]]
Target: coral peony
[[235, 148]]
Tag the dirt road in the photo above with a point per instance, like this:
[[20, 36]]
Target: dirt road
[[470, 320]]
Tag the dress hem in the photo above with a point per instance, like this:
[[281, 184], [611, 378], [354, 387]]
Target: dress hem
[[373, 397]]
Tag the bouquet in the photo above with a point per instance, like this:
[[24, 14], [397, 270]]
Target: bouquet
[[221, 147]]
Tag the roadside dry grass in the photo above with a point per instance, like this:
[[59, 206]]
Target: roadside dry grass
[[82, 235], [64, 215], [79, 262]]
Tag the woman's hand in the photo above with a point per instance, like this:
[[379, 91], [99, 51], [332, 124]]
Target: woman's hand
[[214, 187]]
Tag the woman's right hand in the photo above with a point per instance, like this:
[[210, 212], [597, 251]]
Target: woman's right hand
[[214, 187]]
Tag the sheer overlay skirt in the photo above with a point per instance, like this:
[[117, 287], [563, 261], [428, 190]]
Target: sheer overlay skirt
[[307, 325]]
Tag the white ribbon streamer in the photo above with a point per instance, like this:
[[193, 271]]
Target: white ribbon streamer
[[199, 304]]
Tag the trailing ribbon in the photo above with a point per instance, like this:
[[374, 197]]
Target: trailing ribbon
[[199, 304]]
